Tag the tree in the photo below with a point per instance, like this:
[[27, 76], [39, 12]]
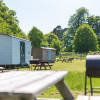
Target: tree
[[50, 37], [4, 27], [44, 42], [85, 39], [56, 44], [53, 41], [68, 38], [9, 19], [59, 32], [37, 37], [94, 22], [79, 18]]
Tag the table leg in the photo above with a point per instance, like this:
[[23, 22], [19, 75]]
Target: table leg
[[43, 65], [64, 90], [40, 67], [50, 66], [31, 67], [35, 66]]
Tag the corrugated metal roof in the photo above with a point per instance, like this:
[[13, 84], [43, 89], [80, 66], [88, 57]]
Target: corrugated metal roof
[[14, 37], [47, 48]]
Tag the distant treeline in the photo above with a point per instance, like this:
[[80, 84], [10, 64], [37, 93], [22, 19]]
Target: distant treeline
[[60, 39]]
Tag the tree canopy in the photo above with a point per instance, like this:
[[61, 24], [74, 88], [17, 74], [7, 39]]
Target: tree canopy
[[53, 41], [56, 44], [9, 25], [9, 22], [76, 20], [68, 38], [94, 22], [37, 37], [59, 32], [50, 37], [85, 39], [79, 18]]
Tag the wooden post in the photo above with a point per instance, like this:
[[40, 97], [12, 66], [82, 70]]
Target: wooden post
[[64, 90]]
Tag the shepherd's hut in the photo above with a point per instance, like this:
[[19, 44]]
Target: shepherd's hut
[[44, 54], [14, 51]]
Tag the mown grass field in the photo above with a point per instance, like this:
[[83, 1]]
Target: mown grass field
[[75, 79]]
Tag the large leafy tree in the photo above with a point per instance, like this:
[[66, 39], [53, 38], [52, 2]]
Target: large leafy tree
[[85, 39], [37, 37], [53, 41], [56, 44], [94, 22], [76, 20], [4, 27], [50, 37], [79, 18], [68, 38], [59, 32], [9, 22]]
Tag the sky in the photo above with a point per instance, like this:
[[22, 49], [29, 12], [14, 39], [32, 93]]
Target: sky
[[48, 14]]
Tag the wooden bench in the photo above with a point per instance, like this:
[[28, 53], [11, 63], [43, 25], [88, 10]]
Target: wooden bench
[[36, 66], [26, 85], [88, 98]]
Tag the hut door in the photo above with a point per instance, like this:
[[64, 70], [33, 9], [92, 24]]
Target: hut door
[[49, 55], [22, 52]]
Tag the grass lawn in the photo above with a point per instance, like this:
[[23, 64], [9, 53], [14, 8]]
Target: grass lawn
[[75, 79]]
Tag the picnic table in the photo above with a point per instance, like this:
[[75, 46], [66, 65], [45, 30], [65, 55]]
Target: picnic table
[[42, 64], [45, 64], [26, 85]]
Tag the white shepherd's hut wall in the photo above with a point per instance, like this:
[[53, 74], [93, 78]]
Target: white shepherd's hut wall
[[14, 51], [5, 49], [27, 52]]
